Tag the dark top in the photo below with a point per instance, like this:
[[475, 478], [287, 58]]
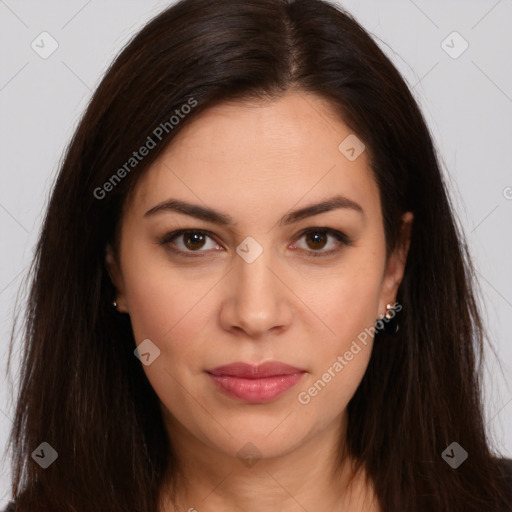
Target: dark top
[[506, 465]]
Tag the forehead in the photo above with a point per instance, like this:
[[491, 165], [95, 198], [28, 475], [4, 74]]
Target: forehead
[[269, 154]]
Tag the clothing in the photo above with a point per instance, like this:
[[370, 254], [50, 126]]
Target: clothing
[[506, 465]]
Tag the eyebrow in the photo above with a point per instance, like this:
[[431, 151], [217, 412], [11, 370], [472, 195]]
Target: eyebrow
[[223, 219]]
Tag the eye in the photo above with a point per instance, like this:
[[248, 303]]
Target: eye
[[316, 240], [193, 241]]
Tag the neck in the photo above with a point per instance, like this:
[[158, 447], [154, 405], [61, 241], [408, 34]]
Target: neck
[[310, 477]]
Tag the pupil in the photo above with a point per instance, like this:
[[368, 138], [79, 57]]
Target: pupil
[[317, 240], [196, 237]]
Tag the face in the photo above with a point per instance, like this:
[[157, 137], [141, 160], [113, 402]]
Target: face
[[256, 284]]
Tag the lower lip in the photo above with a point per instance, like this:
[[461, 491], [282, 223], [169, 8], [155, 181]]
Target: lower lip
[[256, 391]]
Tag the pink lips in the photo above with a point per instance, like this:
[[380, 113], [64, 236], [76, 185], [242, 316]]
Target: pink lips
[[255, 384]]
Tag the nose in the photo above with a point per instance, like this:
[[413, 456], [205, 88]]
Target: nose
[[256, 300]]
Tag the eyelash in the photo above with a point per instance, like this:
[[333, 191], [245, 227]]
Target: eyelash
[[343, 239]]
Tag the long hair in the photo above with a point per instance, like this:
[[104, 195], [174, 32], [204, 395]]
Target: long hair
[[83, 392]]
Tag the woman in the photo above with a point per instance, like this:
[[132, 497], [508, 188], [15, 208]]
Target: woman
[[250, 292]]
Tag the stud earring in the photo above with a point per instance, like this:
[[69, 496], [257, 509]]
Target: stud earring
[[388, 323], [390, 312]]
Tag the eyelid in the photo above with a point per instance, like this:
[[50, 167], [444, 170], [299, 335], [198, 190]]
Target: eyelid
[[342, 239]]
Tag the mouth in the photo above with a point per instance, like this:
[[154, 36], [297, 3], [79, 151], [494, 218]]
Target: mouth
[[255, 384]]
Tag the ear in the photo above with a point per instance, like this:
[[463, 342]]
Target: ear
[[114, 271], [396, 264]]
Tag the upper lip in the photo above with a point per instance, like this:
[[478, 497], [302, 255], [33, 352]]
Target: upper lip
[[250, 371]]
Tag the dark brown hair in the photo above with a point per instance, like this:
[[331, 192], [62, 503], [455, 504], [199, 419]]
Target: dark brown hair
[[81, 388]]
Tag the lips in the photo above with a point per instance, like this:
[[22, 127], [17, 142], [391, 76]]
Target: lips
[[255, 384], [248, 371]]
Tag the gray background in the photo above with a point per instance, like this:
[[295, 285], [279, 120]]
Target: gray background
[[467, 102]]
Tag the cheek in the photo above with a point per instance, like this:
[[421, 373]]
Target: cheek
[[348, 302], [172, 313], [172, 307], [340, 362], [348, 306], [156, 297], [169, 311]]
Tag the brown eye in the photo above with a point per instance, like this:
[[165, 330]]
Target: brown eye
[[193, 240], [316, 239], [189, 242]]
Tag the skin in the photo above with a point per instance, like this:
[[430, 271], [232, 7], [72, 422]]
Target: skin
[[256, 161]]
